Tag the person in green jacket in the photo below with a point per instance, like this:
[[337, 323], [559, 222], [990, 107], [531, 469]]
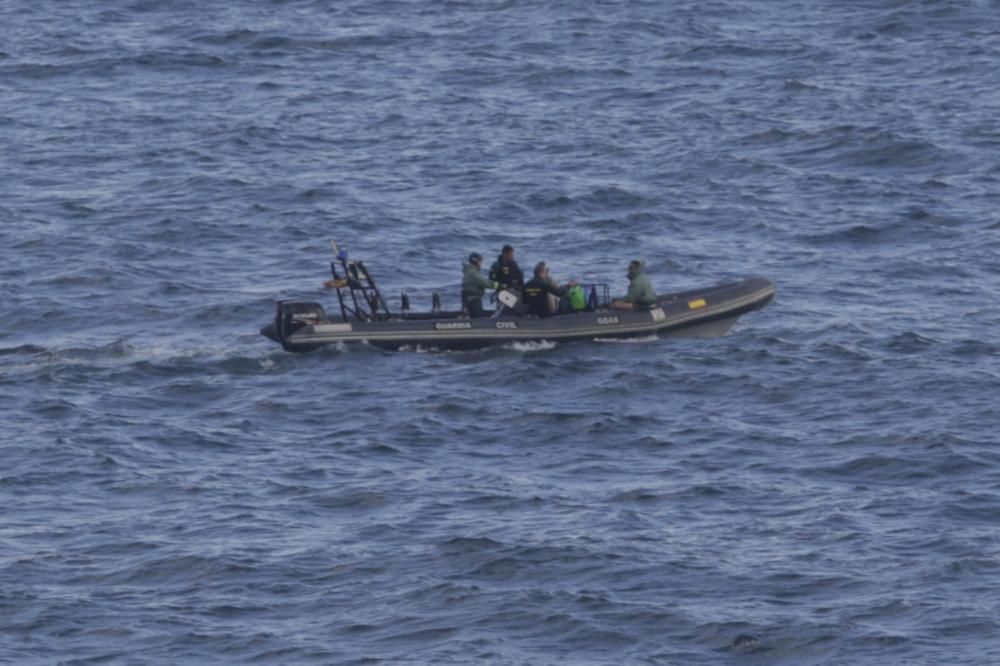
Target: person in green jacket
[[641, 295], [474, 285]]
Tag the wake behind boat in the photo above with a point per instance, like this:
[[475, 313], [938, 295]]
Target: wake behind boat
[[365, 316]]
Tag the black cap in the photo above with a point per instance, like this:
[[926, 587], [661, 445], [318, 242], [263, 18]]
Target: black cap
[[475, 258]]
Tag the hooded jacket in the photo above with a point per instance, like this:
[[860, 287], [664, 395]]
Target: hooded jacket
[[474, 283], [640, 289]]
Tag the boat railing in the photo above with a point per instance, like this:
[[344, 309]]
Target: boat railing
[[598, 294], [360, 299], [357, 293]]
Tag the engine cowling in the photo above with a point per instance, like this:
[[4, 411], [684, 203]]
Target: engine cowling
[[291, 316]]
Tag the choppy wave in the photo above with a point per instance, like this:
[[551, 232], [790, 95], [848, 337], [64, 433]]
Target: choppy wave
[[816, 487]]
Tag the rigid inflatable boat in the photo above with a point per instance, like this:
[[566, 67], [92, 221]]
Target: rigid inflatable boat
[[365, 316]]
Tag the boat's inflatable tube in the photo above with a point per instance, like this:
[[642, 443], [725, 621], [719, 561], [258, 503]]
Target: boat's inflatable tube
[[709, 312]]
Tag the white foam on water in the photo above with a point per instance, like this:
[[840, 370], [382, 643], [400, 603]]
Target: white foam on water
[[630, 341], [533, 346]]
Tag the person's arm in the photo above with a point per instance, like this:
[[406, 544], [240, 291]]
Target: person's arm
[[561, 291], [485, 282]]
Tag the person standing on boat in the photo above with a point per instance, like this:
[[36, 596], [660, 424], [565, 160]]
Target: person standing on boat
[[641, 295], [506, 271], [474, 285], [538, 290]]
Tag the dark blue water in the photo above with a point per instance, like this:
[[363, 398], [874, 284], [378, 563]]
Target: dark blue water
[[821, 486]]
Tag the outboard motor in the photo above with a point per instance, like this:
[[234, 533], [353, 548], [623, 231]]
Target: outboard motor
[[290, 316]]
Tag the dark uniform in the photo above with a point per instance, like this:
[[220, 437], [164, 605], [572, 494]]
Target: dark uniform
[[536, 296], [507, 273]]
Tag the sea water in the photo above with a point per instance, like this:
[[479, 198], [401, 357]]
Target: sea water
[[820, 486]]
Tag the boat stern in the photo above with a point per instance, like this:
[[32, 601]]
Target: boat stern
[[290, 317]]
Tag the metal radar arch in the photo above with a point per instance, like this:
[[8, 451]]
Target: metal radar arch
[[357, 293]]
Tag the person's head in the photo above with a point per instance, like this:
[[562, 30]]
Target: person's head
[[634, 267], [475, 259], [541, 270], [507, 252]]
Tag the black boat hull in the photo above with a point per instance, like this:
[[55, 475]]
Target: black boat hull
[[710, 312]]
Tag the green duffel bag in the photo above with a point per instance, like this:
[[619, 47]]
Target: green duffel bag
[[577, 299]]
